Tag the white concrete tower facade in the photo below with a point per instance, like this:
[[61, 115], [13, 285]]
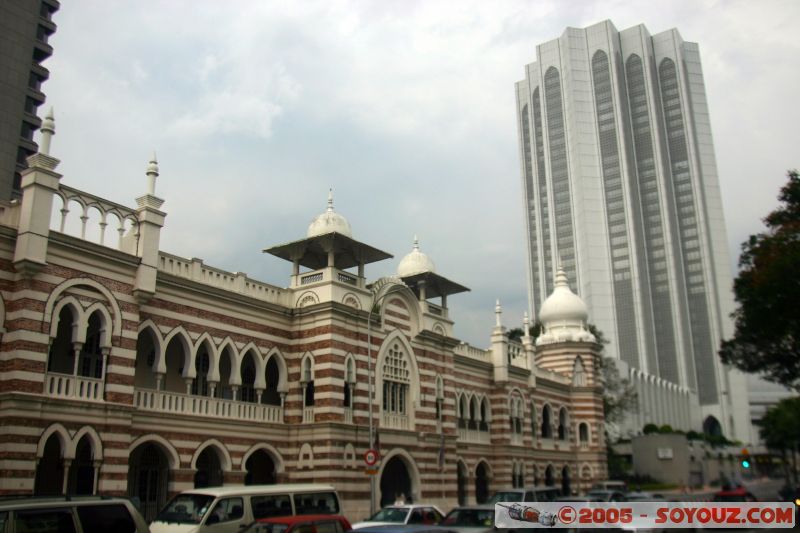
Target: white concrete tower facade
[[620, 185]]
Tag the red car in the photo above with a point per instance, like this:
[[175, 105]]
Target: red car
[[310, 523], [739, 494]]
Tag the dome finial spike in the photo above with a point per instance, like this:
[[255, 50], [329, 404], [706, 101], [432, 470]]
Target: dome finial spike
[[330, 199], [526, 325], [416, 242], [498, 311], [48, 129]]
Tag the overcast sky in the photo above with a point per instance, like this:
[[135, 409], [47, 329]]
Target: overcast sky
[[406, 109]]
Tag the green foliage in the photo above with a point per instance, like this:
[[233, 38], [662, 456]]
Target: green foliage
[[693, 435], [666, 429], [767, 291], [649, 429], [619, 395], [780, 427], [515, 334]]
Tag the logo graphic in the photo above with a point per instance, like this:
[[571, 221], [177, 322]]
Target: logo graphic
[[524, 513], [567, 514]]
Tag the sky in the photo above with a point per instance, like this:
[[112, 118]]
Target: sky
[[405, 108]]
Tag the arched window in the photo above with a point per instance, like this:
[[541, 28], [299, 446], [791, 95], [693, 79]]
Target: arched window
[[62, 355], [308, 382], [515, 404], [248, 375], [272, 375], [439, 397], [534, 422], [473, 413], [349, 382], [547, 423], [396, 380], [462, 411], [201, 365], [563, 433], [484, 423], [90, 364], [583, 433]]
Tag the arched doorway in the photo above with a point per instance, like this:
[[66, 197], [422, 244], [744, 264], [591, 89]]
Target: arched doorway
[[260, 469], [549, 476], [712, 427], [50, 469], [482, 483], [395, 482], [81, 472], [209, 470], [461, 481], [148, 478], [566, 488]]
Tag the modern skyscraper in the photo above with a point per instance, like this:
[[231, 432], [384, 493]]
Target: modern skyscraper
[[621, 187], [24, 30]]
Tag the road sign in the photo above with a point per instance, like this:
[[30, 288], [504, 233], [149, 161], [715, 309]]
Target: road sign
[[371, 457], [371, 471]]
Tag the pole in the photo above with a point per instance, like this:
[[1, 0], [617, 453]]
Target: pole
[[369, 393]]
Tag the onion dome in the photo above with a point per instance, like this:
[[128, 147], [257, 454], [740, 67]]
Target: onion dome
[[564, 315], [415, 262], [329, 222]]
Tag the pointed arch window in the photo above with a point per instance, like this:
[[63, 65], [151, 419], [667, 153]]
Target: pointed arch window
[[439, 398], [349, 382], [396, 381], [308, 382]]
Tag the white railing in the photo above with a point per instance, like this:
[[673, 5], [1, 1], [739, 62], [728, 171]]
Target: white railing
[[312, 278], [474, 435], [78, 387], [194, 269], [467, 350], [95, 215], [348, 415], [394, 421], [308, 415], [344, 277], [185, 404], [516, 439]]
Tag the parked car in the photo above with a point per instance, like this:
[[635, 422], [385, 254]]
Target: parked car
[[739, 494], [525, 494], [470, 519], [315, 523], [405, 528], [607, 495], [227, 509], [577, 499], [609, 484], [78, 514], [644, 497], [403, 514]]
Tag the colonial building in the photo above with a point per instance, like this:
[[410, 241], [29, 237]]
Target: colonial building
[[129, 370]]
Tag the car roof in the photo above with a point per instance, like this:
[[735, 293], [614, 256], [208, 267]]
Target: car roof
[[34, 502], [472, 507], [738, 491], [240, 490], [399, 528], [295, 519]]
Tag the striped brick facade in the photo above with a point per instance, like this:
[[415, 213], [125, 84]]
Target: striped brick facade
[[133, 371]]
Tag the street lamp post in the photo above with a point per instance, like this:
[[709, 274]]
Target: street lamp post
[[375, 303]]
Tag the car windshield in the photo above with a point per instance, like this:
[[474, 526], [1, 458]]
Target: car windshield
[[506, 496], [389, 514], [469, 518], [186, 509]]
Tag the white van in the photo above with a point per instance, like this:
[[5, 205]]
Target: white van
[[228, 509]]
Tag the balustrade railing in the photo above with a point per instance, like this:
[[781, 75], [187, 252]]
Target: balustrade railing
[[94, 217], [308, 415], [195, 270], [186, 404], [311, 278], [394, 421], [78, 387], [348, 415], [474, 435]]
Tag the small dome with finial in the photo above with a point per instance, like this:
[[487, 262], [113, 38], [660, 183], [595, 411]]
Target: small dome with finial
[[329, 222], [415, 262]]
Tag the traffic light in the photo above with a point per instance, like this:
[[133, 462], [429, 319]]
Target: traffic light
[[745, 458]]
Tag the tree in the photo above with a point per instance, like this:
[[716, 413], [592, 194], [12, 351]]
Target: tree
[[767, 322], [781, 431], [619, 394], [650, 429]]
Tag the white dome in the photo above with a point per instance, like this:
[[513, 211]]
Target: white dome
[[563, 305], [329, 222], [415, 262], [564, 315]]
